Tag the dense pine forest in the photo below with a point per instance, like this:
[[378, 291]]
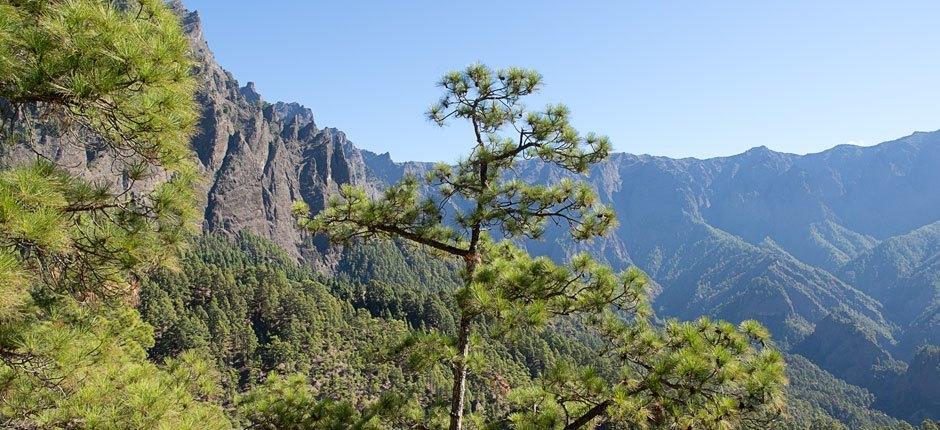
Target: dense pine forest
[[364, 320], [126, 301]]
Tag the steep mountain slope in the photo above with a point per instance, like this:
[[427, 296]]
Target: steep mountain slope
[[664, 208], [903, 272], [845, 348], [915, 395], [813, 389], [734, 280], [825, 208], [260, 157]]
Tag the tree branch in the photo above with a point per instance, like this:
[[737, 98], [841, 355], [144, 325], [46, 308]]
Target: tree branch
[[592, 413], [417, 238]]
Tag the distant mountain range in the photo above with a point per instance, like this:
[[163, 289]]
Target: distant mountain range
[[838, 252]]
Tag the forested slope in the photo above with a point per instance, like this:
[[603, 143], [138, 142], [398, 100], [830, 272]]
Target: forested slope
[[260, 313]]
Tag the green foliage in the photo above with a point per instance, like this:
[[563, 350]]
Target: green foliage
[[221, 271], [81, 366], [701, 374], [519, 292], [103, 74], [124, 73], [504, 133], [120, 76], [491, 101], [290, 403], [397, 263], [818, 399], [72, 350], [218, 301]]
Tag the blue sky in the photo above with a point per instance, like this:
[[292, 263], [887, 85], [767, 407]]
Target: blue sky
[[678, 78]]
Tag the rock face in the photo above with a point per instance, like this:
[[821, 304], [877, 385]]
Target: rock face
[[260, 157]]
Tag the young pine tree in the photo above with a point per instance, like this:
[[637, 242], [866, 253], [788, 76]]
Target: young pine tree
[[480, 197]]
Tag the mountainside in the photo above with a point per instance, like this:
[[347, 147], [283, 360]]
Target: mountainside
[[903, 272], [792, 241], [723, 234], [261, 157]]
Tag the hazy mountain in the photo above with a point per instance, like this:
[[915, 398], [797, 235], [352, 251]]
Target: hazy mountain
[[764, 234], [903, 272]]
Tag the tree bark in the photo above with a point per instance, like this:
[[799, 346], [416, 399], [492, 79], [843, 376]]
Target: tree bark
[[459, 392], [592, 413], [458, 396], [471, 260]]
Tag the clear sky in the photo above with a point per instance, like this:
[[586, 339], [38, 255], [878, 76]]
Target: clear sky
[[678, 78]]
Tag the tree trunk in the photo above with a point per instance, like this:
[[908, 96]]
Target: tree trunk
[[459, 392], [458, 396], [592, 413]]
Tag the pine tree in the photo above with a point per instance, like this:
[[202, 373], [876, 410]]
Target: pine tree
[[467, 205], [480, 197], [72, 250]]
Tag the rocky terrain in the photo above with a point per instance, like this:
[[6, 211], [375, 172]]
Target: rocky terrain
[[260, 157]]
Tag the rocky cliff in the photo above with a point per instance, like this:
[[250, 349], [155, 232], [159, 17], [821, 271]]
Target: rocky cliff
[[260, 157]]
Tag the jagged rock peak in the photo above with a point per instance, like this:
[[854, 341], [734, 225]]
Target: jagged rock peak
[[189, 19], [250, 93], [763, 149], [177, 6], [293, 114], [260, 157]]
